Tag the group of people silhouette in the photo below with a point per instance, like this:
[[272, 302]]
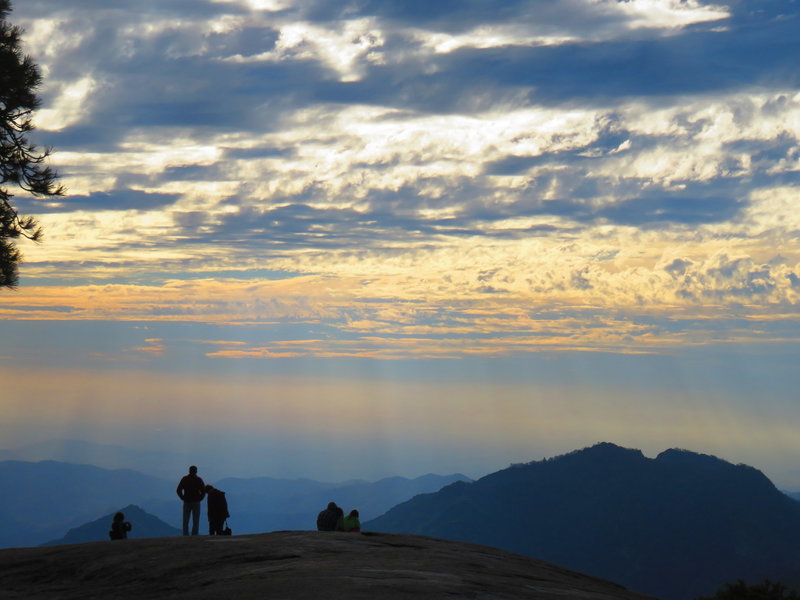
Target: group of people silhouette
[[192, 490], [334, 519]]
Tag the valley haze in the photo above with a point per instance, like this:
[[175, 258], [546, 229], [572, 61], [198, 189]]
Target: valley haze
[[86, 492]]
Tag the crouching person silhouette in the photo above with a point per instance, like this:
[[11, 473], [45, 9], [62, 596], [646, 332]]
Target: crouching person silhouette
[[217, 510], [119, 527], [191, 490]]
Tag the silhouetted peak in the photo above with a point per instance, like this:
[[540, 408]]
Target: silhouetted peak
[[609, 449], [133, 509], [678, 456], [594, 461], [603, 452]]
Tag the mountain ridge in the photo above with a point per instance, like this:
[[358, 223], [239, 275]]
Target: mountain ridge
[[676, 526]]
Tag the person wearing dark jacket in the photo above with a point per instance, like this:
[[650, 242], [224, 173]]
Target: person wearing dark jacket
[[326, 520], [119, 527], [191, 490], [216, 509]]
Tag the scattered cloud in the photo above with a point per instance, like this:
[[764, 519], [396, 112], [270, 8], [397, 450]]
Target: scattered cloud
[[427, 176]]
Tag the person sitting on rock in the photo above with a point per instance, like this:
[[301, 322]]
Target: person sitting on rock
[[326, 520], [119, 527], [351, 522]]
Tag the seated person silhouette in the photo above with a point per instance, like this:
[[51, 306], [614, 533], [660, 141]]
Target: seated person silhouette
[[119, 527], [351, 522], [327, 519]]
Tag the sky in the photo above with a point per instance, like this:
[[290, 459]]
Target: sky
[[367, 238]]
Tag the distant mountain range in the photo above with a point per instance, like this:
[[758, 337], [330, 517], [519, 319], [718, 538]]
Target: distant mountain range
[[41, 501], [106, 456], [266, 504], [675, 527], [144, 525]]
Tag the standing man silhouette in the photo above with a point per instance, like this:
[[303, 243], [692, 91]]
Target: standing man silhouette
[[191, 490]]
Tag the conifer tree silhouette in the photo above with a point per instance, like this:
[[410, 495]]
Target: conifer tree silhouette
[[22, 164]]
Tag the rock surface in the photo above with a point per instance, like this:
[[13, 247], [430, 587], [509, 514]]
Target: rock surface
[[290, 564]]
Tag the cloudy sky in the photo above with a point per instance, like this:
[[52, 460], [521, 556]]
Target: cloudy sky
[[374, 237]]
